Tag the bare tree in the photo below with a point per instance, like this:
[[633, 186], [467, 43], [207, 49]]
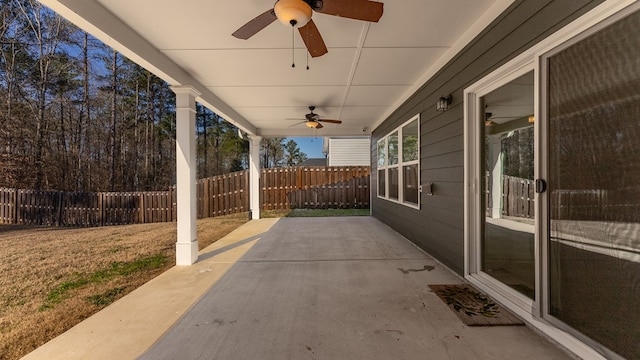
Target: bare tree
[[76, 115], [44, 32], [114, 120]]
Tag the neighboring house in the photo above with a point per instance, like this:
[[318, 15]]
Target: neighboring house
[[347, 151], [314, 162]]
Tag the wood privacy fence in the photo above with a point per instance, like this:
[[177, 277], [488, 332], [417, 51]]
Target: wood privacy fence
[[315, 188], [595, 205], [222, 195], [518, 197], [30, 207], [571, 204], [282, 188]]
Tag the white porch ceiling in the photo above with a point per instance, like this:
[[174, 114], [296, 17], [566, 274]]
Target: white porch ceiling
[[370, 69]]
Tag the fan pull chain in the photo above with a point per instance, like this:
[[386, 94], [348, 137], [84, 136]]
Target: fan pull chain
[[307, 49], [293, 49]]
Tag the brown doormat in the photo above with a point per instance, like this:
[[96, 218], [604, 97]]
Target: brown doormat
[[473, 307]]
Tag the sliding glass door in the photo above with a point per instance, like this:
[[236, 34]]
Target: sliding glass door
[[593, 108], [552, 167]]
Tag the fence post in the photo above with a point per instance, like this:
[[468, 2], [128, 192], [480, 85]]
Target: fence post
[[17, 207], [143, 211], [59, 219], [18, 204], [170, 204], [101, 207]]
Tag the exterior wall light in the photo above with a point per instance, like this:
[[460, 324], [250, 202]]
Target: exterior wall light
[[443, 103]]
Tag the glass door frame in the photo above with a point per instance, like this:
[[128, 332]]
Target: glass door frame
[[474, 151]]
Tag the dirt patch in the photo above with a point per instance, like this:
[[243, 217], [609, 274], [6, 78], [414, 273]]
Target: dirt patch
[[53, 278]]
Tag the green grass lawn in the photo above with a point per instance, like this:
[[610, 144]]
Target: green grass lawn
[[328, 212]]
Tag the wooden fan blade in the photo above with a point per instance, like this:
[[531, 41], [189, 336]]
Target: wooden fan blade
[[319, 126], [298, 123], [331, 121], [254, 26], [353, 9], [312, 39]]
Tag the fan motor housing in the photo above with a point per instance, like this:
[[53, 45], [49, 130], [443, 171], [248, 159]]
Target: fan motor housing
[[315, 4]]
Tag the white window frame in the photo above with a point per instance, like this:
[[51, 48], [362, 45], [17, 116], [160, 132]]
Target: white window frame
[[399, 165], [383, 142]]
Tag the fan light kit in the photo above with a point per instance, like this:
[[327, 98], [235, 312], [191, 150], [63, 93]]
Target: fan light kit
[[487, 119], [313, 120], [298, 13]]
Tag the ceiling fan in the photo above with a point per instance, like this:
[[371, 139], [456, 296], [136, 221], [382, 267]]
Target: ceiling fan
[[313, 120], [297, 13], [487, 119]]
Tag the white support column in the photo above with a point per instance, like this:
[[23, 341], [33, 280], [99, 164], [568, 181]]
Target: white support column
[[187, 244], [496, 159], [254, 176]]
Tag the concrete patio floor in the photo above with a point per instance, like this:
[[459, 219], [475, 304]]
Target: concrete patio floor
[[296, 288]]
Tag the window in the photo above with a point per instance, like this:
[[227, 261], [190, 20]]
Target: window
[[399, 164], [392, 166], [410, 168], [382, 151]]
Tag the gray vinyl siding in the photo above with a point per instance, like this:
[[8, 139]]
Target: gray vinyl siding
[[438, 227], [349, 151]]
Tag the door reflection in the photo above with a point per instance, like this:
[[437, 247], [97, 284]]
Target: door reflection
[[508, 237]]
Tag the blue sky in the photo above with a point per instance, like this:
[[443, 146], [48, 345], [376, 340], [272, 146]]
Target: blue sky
[[312, 146]]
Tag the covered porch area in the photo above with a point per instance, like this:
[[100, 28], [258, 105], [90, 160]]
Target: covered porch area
[[296, 288], [373, 65], [420, 83]]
